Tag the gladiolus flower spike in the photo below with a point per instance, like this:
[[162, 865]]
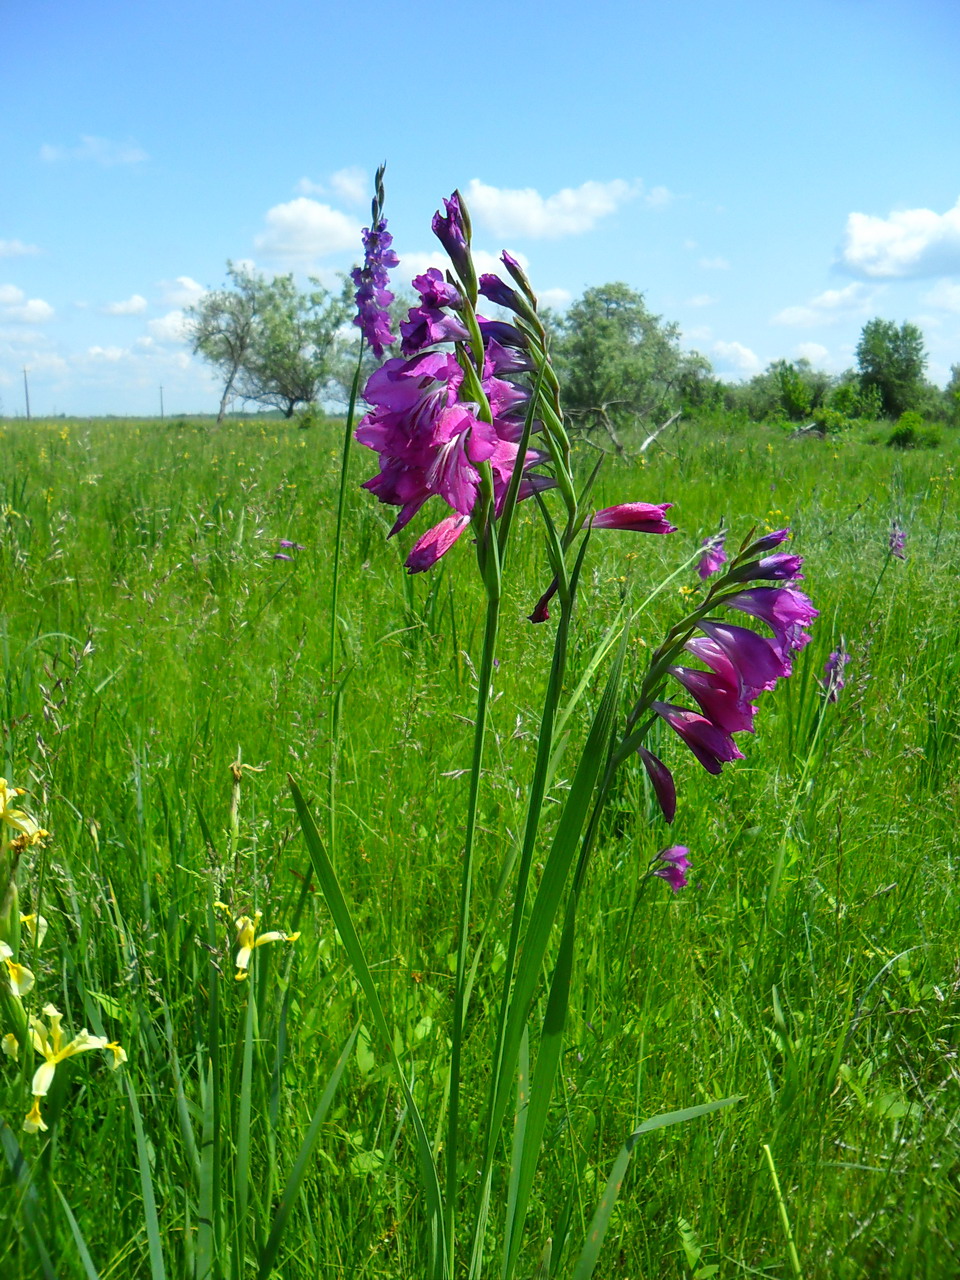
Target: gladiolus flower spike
[[741, 663], [675, 863]]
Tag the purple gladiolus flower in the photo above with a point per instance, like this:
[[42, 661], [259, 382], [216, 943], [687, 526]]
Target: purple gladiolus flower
[[641, 517], [898, 541], [495, 290], [713, 557], [775, 568], [757, 661], [436, 542], [540, 611], [662, 780], [435, 291], [833, 678], [279, 555], [451, 231], [769, 541], [373, 296], [712, 747], [295, 546], [721, 700], [784, 609], [676, 864]]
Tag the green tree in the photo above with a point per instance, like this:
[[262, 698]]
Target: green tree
[[951, 397], [222, 327], [617, 361], [273, 344], [893, 361]]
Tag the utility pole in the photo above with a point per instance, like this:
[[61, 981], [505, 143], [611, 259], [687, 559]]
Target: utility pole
[[161, 404], [26, 391]]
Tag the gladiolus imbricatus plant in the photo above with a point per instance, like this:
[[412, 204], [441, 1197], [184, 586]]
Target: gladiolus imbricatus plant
[[466, 422]]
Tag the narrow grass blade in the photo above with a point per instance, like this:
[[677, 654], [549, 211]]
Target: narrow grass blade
[[242, 1175], [292, 1190], [151, 1219], [548, 1060], [205, 1234], [601, 1218], [519, 1129], [78, 1240], [28, 1198], [330, 886]]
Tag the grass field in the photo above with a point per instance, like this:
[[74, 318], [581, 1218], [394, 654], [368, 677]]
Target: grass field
[[150, 641]]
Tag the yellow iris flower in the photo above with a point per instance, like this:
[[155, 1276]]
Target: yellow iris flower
[[248, 939], [49, 1042], [17, 820], [19, 976]]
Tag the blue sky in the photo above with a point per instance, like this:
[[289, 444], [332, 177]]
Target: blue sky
[[769, 175]]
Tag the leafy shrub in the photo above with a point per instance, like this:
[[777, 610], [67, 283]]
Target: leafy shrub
[[911, 433]]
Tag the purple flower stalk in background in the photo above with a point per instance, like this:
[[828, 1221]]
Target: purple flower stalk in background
[[713, 556], [676, 863], [833, 678], [372, 296], [898, 540]]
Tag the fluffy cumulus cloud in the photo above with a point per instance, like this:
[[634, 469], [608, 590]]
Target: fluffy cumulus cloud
[[102, 151], [169, 328], [817, 355], [182, 292], [944, 296], [303, 230], [910, 243], [15, 305], [828, 307], [525, 212], [132, 306], [352, 185], [17, 249], [736, 356], [415, 264]]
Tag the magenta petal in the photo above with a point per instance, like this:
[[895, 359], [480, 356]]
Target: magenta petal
[[720, 700], [641, 517], [540, 611], [435, 543], [712, 747], [756, 659], [676, 865], [663, 784]]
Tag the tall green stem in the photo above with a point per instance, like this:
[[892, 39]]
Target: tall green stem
[[466, 892], [335, 693]]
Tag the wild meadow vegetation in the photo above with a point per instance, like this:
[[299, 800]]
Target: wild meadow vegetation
[[163, 673]]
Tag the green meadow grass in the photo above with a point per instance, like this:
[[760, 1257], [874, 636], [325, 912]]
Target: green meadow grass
[[149, 641]]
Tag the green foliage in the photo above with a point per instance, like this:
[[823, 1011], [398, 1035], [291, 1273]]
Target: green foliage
[[831, 1009], [786, 390], [892, 361], [618, 363], [274, 344], [912, 433], [855, 401]]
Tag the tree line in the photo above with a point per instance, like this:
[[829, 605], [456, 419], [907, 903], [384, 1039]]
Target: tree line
[[621, 366]]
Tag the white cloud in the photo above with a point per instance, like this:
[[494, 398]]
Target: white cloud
[[132, 306], [17, 249], [737, 356], [828, 307], [303, 230], [101, 151], [307, 187], [415, 264], [699, 333], [814, 352], [14, 305], [945, 296], [910, 243], [558, 299], [714, 264], [182, 292], [659, 198], [353, 185], [168, 328], [525, 212], [701, 300], [109, 354]]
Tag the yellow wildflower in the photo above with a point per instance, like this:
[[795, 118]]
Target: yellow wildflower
[[49, 1042], [20, 978], [10, 1046], [18, 820], [36, 926], [248, 939]]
